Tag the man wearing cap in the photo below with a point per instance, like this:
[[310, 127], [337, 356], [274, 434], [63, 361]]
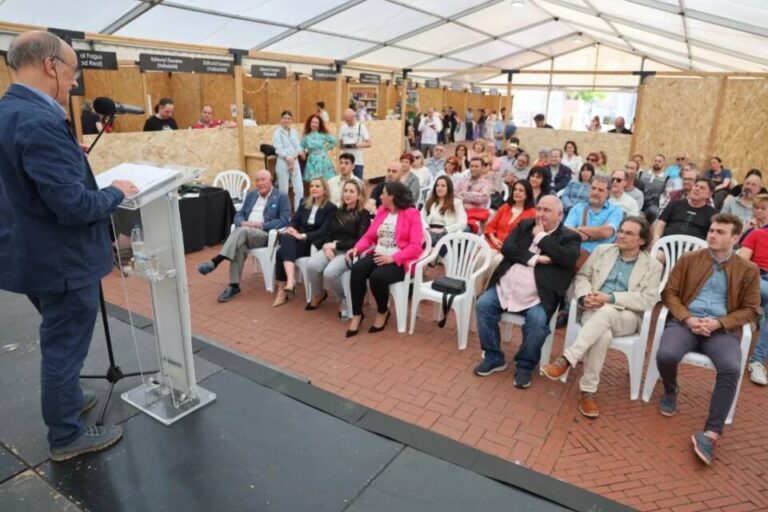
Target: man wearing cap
[[509, 158]]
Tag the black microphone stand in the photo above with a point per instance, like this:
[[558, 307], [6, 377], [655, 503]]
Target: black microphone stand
[[114, 373]]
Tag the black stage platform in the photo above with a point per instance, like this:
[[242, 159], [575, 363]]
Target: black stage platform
[[269, 442]]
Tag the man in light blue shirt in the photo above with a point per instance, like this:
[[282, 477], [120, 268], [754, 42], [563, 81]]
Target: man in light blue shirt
[[602, 219]]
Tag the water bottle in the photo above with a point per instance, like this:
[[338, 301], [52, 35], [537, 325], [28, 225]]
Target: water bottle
[[139, 249]]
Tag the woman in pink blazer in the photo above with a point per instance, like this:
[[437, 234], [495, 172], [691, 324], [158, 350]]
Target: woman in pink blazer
[[386, 251]]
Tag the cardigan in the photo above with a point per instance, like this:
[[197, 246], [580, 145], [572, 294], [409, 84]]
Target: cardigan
[[409, 235]]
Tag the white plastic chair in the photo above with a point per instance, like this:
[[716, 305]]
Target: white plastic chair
[[237, 183], [399, 290], [511, 319], [424, 193], [505, 195], [674, 246], [467, 257], [695, 359], [302, 275], [264, 259]]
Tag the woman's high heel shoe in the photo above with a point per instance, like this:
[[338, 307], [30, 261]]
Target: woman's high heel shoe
[[353, 332], [374, 329]]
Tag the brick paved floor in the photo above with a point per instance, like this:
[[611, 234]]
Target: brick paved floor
[[630, 453]]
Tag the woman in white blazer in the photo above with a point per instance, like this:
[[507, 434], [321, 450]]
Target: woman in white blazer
[[443, 213], [286, 143]]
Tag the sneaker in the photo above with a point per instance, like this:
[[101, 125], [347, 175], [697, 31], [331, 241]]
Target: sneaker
[[89, 400], [229, 294], [704, 446], [562, 320], [557, 369], [93, 439], [486, 368], [206, 267], [758, 374], [522, 378], [668, 404], [588, 406]]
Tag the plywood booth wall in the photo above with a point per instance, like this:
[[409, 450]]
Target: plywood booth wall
[[726, 117]]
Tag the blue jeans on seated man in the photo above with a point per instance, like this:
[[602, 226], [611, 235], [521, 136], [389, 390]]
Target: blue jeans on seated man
[[760, 353], [535, 331]]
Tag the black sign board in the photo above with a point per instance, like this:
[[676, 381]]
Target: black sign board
[[432, 83], [213, 66], [258, 71], [477, 90], [80, 89], [327, 75], [370, 78], [90, 59], [152, 62]]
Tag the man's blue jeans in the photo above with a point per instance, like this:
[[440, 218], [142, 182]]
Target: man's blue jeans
[[760, 353], [65, 336], [535, 331]]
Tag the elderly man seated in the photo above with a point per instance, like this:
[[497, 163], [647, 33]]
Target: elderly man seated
[[264, 209], [614, 287], [537, 269], [711, 295]]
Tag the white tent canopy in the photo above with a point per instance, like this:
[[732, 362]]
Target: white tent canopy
[[454, 40]]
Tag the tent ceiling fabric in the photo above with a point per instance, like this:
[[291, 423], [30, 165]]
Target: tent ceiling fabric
[[454, 36]]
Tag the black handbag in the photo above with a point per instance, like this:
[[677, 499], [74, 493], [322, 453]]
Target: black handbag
[[450, 288]]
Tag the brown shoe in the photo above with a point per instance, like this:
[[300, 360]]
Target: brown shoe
[[588, 406], [557, 369]]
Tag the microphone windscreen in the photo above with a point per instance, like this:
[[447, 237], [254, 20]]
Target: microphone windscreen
[[104, 106]]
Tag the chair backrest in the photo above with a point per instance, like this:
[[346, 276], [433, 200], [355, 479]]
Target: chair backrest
[[237, 183], [506, 191], [674, 246], [465, 253]]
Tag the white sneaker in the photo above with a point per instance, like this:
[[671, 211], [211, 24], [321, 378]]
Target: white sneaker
[[758, 374]]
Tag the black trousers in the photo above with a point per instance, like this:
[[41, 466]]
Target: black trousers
[[380, 277], [290, 249]]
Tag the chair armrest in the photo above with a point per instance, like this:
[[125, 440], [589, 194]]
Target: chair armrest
[[418, 276]]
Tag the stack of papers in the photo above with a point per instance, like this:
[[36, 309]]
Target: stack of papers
[[145, 177]]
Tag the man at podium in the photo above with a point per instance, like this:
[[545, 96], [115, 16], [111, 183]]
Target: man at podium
[[54, 238]]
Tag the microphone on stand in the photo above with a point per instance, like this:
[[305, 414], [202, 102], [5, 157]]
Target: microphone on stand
[[107, 107]]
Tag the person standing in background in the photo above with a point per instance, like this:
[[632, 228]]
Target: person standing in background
[[163, 118], [353, 138], [287, 147]]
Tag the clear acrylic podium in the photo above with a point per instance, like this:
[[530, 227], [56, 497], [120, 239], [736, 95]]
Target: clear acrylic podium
[[174, 392]]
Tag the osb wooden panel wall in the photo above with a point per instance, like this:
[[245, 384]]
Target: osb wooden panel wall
[[615, 145], [743, 129], [430, 98], [124, 86], [312, 91], [676, 114], [5, 76], [457, 100], [216, 150]]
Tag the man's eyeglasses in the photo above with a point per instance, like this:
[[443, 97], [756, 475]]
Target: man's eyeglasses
[[593, 160], [77, 71], [680, 158], [617, 180]]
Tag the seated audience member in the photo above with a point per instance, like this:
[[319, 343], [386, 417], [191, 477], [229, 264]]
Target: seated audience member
[[163, 118], [207, 120], [541, 121], [309, 226], [248, 119], [543, 159], [420, 170], [690, 216], [532, 278], [353, 138], [508, 159], [616, 285], [346, 173], [326, 266], [652, 183], [407, 177], [478, 149], [711, 294], [596, 221], [463, 155], [475, 193], [520, 169], [443, 213], [571, 157], [721, 178], [578, 191], [742, 206], [394, 171], [516, 142], [264, 208], [452, 168], [593, 158], [436, 162], [760, 212], [687, 178], [755, 249], [631, 170], [387, 250], [601, 166], [619, 197], [620, 127], [560, 174], [490, 155], [736, 189], [497, 183], [640, 161], [539, 179]]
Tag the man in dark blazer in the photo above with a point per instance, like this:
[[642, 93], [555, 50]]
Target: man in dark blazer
[[559, 174], [264, 209], [539, 263], [54, 231]]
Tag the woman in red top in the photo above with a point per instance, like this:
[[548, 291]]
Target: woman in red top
[[519, 206]]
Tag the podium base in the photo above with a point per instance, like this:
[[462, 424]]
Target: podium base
[[151, 399]]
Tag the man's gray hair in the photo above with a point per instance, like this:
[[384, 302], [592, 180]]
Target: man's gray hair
[[602, 179], [31, 49]]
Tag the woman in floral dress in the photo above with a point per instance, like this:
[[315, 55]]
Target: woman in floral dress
[[315, 146]]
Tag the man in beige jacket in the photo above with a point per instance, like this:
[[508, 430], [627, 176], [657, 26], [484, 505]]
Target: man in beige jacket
[[614, 287]]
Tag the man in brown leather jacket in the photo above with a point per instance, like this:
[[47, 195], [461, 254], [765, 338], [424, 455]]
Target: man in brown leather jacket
[[711, 294]]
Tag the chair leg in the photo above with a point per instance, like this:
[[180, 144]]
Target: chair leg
[[635, 365], [463, 317], [414, 312], [651, 376], [268, 271], [401, 310]]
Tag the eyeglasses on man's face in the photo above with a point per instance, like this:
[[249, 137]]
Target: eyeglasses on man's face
[[77, 72]]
